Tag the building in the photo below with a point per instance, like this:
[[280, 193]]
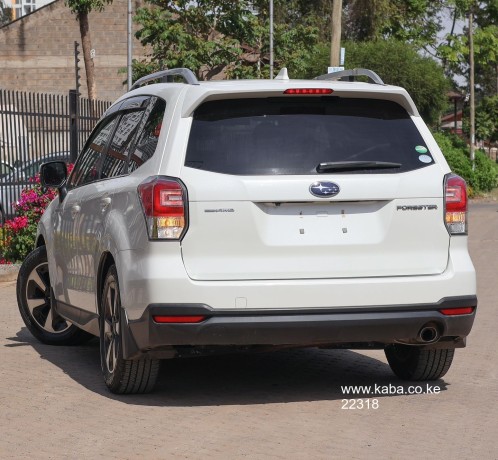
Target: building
[[21, 8], [37, 50], [453, 123]]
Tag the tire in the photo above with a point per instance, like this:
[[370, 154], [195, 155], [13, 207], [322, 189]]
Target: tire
[[122, 376], [34, 300], [415, 363]]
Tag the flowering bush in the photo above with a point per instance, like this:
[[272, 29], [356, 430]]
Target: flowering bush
[[19, 233]]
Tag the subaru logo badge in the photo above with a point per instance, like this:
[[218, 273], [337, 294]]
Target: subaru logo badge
[[324, 189]]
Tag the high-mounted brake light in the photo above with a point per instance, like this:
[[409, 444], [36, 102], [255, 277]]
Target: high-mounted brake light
[[457, 311], [309, 91], [455, 205], [165, 207]]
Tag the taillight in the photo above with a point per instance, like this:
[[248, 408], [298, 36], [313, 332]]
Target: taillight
[[164, 203], [309, 91], [455, 205]]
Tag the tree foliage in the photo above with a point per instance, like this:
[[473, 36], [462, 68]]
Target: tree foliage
[[397, 63], [481, 178], [418, 22], [415, 21], [219, 38], [486, 119], [79, 7], [454, 51]]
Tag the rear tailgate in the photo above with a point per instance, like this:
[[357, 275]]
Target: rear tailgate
[[251, 173]]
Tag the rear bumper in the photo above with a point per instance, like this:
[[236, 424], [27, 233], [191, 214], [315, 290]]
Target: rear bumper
[[319, 327], [156, 274]]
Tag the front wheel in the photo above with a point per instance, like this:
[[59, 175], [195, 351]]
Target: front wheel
[[122, 376], [410, 362], [35, 303]]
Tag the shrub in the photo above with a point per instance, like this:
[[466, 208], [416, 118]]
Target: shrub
[[19, 233], [485, 173], [456, 156], [484, 176]]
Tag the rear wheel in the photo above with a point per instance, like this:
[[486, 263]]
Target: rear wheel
[[122, 376], [34, 300], [415, 363]]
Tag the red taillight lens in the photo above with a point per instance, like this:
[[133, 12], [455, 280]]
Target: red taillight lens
[[457, 311], [178, 319], [309, 91], [164, 204], [455, 202]]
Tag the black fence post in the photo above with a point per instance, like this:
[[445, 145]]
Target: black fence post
[[74, 124]]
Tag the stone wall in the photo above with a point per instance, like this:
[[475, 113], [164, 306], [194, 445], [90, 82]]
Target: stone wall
[[37, 51]]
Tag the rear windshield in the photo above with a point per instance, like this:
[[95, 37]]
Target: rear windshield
[[294, 135]]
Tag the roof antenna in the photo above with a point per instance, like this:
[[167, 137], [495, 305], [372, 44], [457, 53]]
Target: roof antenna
[[282, 75]]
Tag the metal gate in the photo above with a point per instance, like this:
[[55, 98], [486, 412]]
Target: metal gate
[[35, 128]]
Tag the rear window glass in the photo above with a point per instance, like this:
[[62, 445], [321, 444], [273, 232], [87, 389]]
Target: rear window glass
[[295, 135]]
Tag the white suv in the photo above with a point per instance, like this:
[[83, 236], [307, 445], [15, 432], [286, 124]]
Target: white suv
[[211, 216]]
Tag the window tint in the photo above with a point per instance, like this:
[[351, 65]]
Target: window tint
[[148, 133], [87, 167], [294, 135], [117, 153]]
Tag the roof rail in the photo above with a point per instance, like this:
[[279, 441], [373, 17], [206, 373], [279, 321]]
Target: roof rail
[[351, 73], [187, 75]]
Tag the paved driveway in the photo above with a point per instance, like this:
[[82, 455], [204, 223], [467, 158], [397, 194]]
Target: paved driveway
[[284, 405]]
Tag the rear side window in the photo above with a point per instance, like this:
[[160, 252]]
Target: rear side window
[[119, 148], [294, 135], [148, 133]]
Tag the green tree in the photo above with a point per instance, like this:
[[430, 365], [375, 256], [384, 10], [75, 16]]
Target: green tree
[[454, 50], [82, 9], [416, 21], [218, 38], [397, 63]]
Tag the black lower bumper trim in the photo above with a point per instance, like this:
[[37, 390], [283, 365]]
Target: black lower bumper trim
[[300, 328]]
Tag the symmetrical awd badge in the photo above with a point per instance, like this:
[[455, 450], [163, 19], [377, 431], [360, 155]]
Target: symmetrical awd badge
[[324, 189]]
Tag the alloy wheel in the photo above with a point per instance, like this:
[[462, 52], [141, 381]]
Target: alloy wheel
[[39, 301], [111, 326]]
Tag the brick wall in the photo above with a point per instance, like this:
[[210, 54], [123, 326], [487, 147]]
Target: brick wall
[[37, 51]]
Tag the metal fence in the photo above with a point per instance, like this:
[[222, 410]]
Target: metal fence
[[35, 128]]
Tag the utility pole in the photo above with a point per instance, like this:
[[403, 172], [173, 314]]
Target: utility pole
[[129, 57], [472, 94], [271, 39], [335, 43]]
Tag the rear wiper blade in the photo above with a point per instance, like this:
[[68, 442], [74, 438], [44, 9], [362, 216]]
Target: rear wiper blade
[[355, 165]]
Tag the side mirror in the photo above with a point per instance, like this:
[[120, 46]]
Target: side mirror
[[54, 175]]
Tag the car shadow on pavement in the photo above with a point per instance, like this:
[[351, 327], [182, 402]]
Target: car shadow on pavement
[[243, 378]]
